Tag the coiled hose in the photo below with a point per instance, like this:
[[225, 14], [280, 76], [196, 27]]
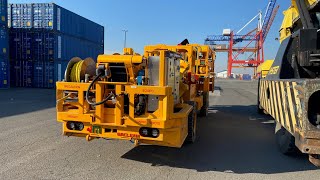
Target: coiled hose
[[75, 75], [88, 91]]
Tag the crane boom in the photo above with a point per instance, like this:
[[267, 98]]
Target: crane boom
[[266, 31], [268, 17]]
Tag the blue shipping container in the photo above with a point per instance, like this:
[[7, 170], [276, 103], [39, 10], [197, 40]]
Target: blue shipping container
[[4, 73], [20, 45], [43, 74], [4, 38], [48, 45], [21, 73], [60, 68], [3, 12], [4, 45], [53, 17], [246, 77]]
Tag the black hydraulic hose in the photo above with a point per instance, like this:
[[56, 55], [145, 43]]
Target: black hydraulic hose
[[87, 94], [304, 14]]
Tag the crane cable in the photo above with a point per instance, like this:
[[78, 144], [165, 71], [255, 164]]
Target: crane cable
[[75, 74]]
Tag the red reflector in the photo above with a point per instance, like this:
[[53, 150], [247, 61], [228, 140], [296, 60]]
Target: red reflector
[[89, 129]]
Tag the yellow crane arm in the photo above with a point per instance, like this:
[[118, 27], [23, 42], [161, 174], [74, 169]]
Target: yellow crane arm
[[292, 15]]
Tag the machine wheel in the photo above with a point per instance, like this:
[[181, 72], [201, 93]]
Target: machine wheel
[[192, 124], [260, 110], [285, 141], [315, 159], [205, 108]]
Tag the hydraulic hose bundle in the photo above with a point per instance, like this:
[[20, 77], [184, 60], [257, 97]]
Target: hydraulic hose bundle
[[76, 71], [88, 91]]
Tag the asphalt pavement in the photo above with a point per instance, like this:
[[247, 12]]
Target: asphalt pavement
[[234, 142]]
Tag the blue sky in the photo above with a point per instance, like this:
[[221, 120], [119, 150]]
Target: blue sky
[[169, 21]]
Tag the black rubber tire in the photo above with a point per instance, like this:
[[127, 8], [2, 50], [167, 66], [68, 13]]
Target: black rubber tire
[[259, 109], [285, 141], [204, 111], [315, 159], [192, 124]]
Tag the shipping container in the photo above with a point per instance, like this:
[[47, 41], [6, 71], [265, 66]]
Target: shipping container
[[247, 77], [47, 45], [21, 73], [4, 41], [53, 17], [4, 47], [20, 45], [43, 74], [60, 68], [43, 38], [4, 73], [3, 12]]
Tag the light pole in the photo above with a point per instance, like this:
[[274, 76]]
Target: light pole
[[125, 38]]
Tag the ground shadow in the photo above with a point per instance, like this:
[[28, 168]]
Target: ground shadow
[[17, 101], [231, 139]]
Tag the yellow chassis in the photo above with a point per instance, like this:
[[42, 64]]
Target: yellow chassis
[[113, 123]]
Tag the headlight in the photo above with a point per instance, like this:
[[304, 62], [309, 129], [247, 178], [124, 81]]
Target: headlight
[[72, 126], [149, 132], [144, 132], [75, 126], [155, 133]]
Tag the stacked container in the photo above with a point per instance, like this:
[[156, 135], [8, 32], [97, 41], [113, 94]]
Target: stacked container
[[247, 77], [44, 37], [4, 60]]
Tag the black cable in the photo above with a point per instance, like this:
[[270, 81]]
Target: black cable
[[87, 94]]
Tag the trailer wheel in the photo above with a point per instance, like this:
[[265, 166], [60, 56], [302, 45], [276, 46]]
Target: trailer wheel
[[285, 141], [205, 108], [192, 124]]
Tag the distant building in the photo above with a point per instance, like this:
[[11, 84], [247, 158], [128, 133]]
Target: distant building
[[222, 74]]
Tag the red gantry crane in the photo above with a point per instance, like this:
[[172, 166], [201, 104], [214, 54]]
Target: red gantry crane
[[251, 52]]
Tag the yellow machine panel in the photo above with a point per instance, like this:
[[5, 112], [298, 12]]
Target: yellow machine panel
[[264, 68], [152, 99], [291, 17]]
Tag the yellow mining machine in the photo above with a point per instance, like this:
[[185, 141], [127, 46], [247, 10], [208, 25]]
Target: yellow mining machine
[[290, 93], [263, 69], [152, 98]]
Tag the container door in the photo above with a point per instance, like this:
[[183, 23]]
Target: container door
[[27, 45], [4, 73], [27, 70], [38, 74], [15, 45], [49, 75], [37, 15], [16, 73], [3, 41], [3, 12]]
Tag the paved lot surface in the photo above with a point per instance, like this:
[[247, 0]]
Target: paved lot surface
[[234, 143]]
